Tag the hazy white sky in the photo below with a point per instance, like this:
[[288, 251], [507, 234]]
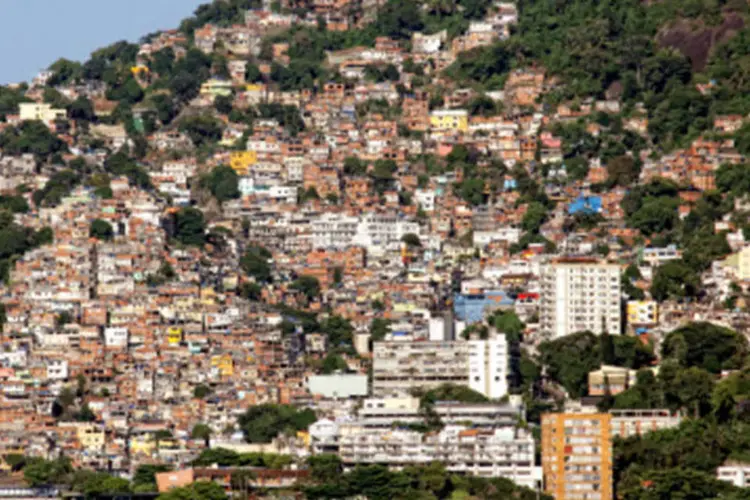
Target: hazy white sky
[[35, 33]]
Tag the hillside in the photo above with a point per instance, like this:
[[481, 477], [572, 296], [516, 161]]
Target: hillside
[[195, 225]]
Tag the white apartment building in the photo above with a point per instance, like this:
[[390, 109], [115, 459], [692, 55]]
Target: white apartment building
[[401, 365], [378, 232], [40, 111], [383, 412], [737, 473], [627, 423], [658, 256], [333, 230], [375, 232], [505, 452], [580, 294]]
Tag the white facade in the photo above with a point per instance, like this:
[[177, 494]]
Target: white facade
[[658, 256], [337, 386], [627, 423], [738, 474], [377, 232], [488, 366], [333, 230], [505, 452], [425, 198], [437, 329], [39, 111], [401, 365], [116, 336], [383, 412], [507, 234], [580, 295], [374, 232]]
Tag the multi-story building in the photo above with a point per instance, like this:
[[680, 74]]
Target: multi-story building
[[577, 455], [737, 473], [504, 452], [383, 412], [657, 256], [333, 230], [40, 111], [401, 365], [643, 312], [450, 119], [580, 294], [627, 423]]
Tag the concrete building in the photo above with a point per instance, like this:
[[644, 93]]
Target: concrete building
[[643, 312], [627, 423], [450, 119], [40, 111], [577, 455], [474, 307], [333, 230], [401, 365], [613, 378], [506, 452], [580, 294], [383, 412], [737, 473], [340, 386]]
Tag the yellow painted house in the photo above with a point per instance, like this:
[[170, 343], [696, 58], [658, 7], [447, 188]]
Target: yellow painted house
[[241, 161], [223, 364], [643, 312], [174, 335], [90, 437], [142, 443], [450, 119]]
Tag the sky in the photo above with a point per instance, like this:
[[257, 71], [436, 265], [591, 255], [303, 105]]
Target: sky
[[35, 33]]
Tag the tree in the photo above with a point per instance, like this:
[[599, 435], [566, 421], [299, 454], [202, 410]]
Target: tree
[[622, 170], [705, 345], [255, 263], [262, 423], [40, 472], [309, 286], [534, 217], [205, 490], [190, 226], [101, 229], [354, 166], [338, 331], [379, 327], [411, 240], [223, 183], [223, 104], [202, 129], [685, 484], [64, 71], [202, 431], [607, 346], [93, 484], [252, 73], [81, 110], [675, 280], [472, 191], [325, 468], [655, 215], [31, 137], [144, 478], [334, 363], [201, 391]]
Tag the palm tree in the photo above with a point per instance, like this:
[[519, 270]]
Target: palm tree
[[202, 431]]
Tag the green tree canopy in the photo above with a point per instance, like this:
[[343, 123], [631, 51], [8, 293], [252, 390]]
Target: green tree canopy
[[262, 423], [705, 345]]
